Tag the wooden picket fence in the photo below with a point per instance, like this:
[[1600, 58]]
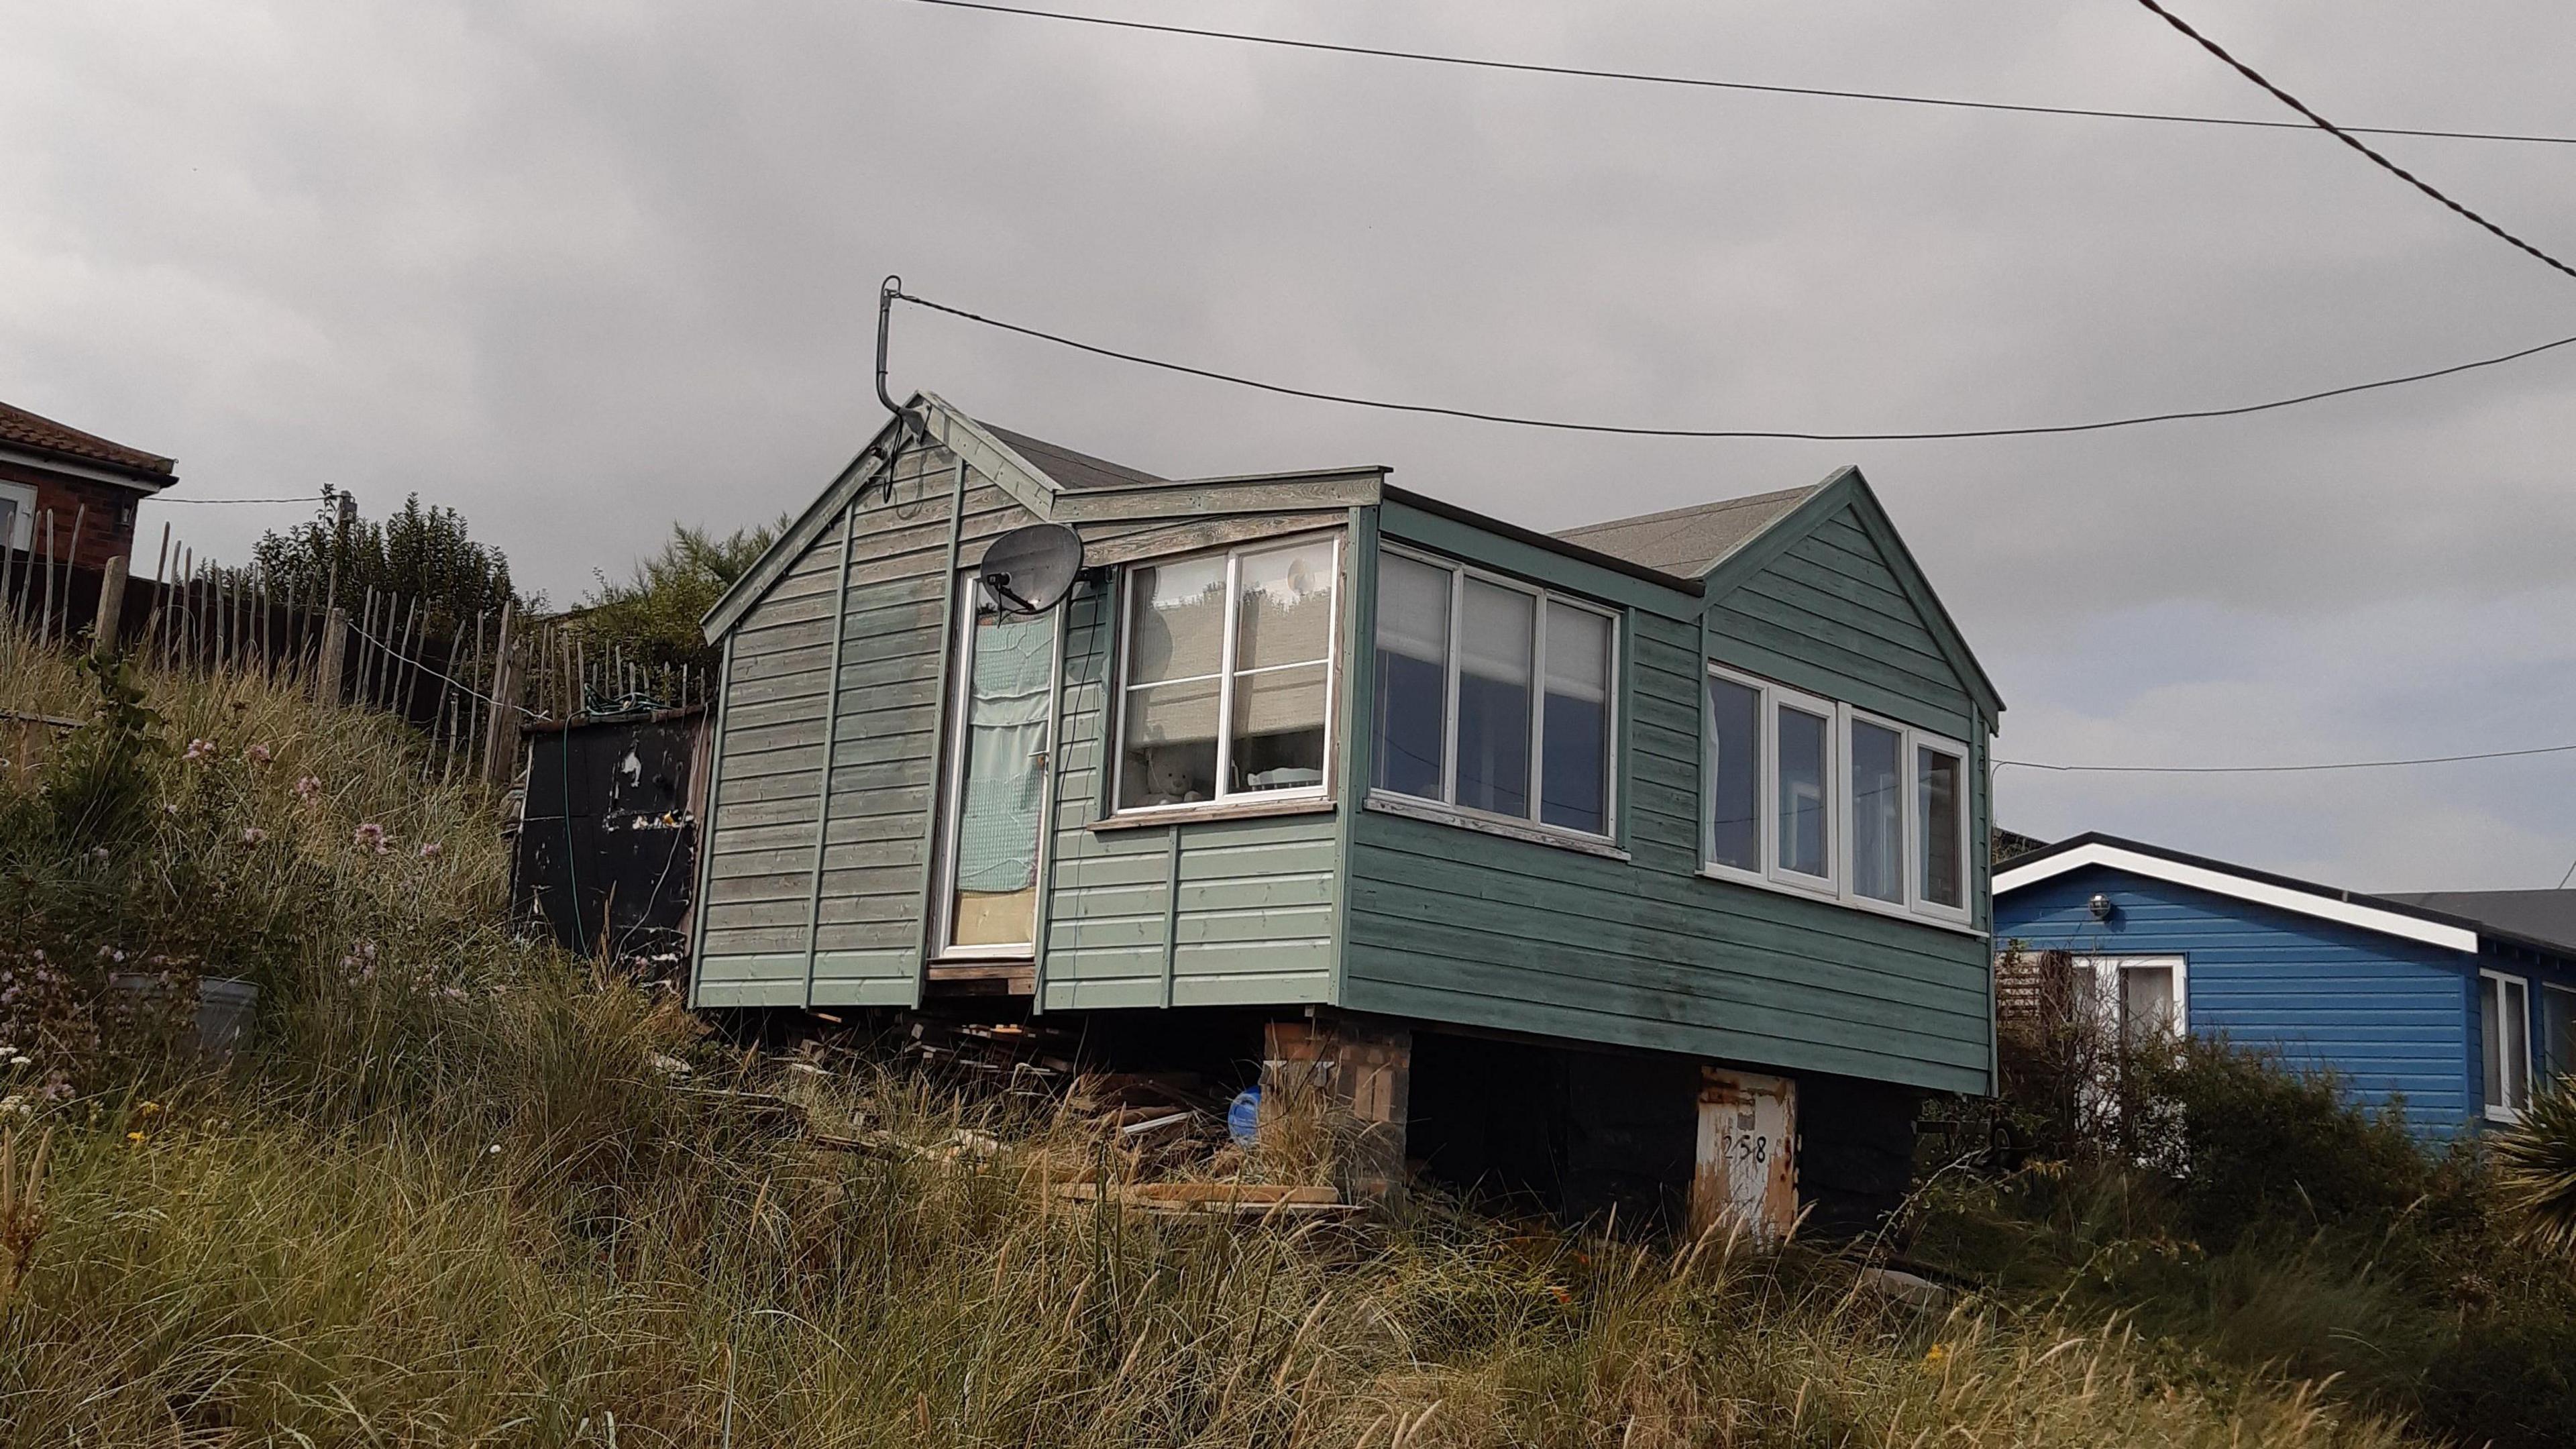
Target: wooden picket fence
[[466, 684]]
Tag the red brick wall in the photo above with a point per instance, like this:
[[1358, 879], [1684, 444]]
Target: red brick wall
[[106, 527]]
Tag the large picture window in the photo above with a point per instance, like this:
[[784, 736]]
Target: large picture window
[[1493, 696], [1227, 680], [1819, 797]]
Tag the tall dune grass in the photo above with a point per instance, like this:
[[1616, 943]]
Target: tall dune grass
[[456, 1194]]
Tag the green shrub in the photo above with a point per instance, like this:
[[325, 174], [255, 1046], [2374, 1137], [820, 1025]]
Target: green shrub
[[2251, 1142]]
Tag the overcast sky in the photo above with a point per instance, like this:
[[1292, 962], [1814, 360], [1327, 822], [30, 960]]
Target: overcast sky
[[581, 269]]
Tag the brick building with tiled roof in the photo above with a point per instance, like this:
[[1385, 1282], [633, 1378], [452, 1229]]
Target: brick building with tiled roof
[[78, 478]]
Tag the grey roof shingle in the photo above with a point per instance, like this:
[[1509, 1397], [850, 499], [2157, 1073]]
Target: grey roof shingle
[[2548, 916], [1073, 470], [1688, 542]]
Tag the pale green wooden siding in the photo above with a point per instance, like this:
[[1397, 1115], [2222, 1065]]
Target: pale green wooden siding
[[769, 779], [1447, 924], [1209, 913], [776, 933]]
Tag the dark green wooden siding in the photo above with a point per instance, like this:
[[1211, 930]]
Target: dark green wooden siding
[[1449, 924]]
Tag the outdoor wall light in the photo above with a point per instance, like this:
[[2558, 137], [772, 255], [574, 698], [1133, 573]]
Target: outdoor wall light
[[2101, 907]]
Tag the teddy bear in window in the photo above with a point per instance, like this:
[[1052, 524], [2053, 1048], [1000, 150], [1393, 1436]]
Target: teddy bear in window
[[1167, 778]]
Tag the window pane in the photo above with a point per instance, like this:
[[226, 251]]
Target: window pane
[[1412, 676], [2558, 1029], [1802, 805], [1168, 745], [1574, 775], [1939, 777], [2516, 1011], [1494, 700], [1285, 613], [1878, 812], [1734, 774], [2146, 1002], [1279, 729], [1176, 629]]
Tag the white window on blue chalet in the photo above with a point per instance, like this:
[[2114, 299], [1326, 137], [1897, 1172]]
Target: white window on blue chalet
[[1227, 681], [1811, 795], [1493, 696], [2504, 1031]]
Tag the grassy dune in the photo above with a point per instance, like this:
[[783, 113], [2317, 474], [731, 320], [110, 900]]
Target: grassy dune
[[455, 1195]]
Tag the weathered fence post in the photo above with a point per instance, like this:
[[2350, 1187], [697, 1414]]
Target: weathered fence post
[[501, 743], [111, 605], [335, 642]]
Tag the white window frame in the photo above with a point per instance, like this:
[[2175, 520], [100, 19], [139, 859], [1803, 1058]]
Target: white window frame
[[1233, 556], [1964, 913], [1769, 873], [2105, 971], [23, 533], [2503, 1110], [1837, 808], [2540, 1046], [952, 781], [1542, 599]]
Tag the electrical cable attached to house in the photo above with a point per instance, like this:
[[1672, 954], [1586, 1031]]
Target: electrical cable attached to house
[[1798, 434], [2281, 769], [1709, 83]]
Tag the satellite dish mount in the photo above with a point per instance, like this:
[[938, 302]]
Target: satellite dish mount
[[1028, 571]]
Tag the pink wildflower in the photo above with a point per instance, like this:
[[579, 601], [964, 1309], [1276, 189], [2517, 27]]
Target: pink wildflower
[[256, 754], [371, 836], [307, 788], [429, 850], [252, 835], [199, 750]]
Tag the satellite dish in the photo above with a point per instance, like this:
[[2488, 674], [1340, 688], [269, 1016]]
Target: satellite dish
[[1030, 570]]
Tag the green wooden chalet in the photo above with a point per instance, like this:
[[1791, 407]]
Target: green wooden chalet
[[1706, 787]]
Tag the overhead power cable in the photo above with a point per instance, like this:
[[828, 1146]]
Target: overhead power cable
[[1710, 83], [2344, 134], [162, 498], [1806, 435], [2282, 769]]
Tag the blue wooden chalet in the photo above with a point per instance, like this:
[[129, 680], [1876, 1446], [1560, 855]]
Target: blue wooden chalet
[[1504, 818], [2453, 1002]]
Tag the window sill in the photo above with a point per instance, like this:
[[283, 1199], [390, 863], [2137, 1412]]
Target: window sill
[[2503, 1116], [1214, 810], [1439, 814], [1882, 911]]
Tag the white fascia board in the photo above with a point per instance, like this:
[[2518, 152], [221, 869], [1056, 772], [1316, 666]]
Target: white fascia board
[[2262, 893], [94, 472]]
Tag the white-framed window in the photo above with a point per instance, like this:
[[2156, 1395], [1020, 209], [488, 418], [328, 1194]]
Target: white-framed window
[[2504, 1031], [2558, 1029], [1225, 675], [17, 515], [1816, 796], [1494, 697], [2136, 999]]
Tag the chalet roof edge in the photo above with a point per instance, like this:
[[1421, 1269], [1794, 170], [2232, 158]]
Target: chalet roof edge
[[2361, 909]]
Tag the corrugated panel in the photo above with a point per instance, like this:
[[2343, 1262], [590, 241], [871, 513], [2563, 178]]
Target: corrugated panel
[[2392, 1017], [1454, 925]]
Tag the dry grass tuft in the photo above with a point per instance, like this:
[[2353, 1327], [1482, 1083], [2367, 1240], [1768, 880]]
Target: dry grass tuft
[[453, 1194]]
